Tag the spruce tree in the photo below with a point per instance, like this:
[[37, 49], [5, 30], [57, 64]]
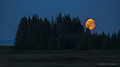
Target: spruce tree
[[44, 35], [20, 39]]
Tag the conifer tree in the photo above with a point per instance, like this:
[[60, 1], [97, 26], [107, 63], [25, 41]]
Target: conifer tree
[[20, 40], [44, 36]]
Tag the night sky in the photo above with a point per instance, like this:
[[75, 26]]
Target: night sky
[[106, 13]]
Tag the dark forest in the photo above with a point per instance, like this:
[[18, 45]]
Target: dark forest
[[61, 33]]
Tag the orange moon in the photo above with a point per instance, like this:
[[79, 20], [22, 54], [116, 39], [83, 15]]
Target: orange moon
[[90, 24]]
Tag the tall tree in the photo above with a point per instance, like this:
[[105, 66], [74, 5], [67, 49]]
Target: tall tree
[[76, 25], [59, 22], [20, 40], [113, 41], [118, 39], [45, 34], [104, 44], [54, 28], [94, 42]]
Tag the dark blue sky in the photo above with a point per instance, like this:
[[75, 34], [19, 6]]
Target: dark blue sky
[[106, 13]]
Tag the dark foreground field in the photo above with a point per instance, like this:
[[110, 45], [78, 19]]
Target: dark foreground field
[[60, 58]]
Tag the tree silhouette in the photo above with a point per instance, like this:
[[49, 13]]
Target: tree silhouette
[[61, 33], [20, 40]]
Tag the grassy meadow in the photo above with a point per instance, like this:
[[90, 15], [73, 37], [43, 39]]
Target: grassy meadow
[[63, 58]]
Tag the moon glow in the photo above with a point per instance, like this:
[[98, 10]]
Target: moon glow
[[90, 24]]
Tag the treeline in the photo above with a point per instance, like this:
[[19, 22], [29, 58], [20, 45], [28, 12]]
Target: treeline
[[62, 33]]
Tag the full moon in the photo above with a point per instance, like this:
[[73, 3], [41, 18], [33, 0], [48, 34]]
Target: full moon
[[90, 24]]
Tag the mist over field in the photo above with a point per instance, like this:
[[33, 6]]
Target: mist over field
[[7, 42]]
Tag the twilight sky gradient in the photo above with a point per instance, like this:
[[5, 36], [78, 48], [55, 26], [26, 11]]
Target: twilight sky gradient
[[106, 13]]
